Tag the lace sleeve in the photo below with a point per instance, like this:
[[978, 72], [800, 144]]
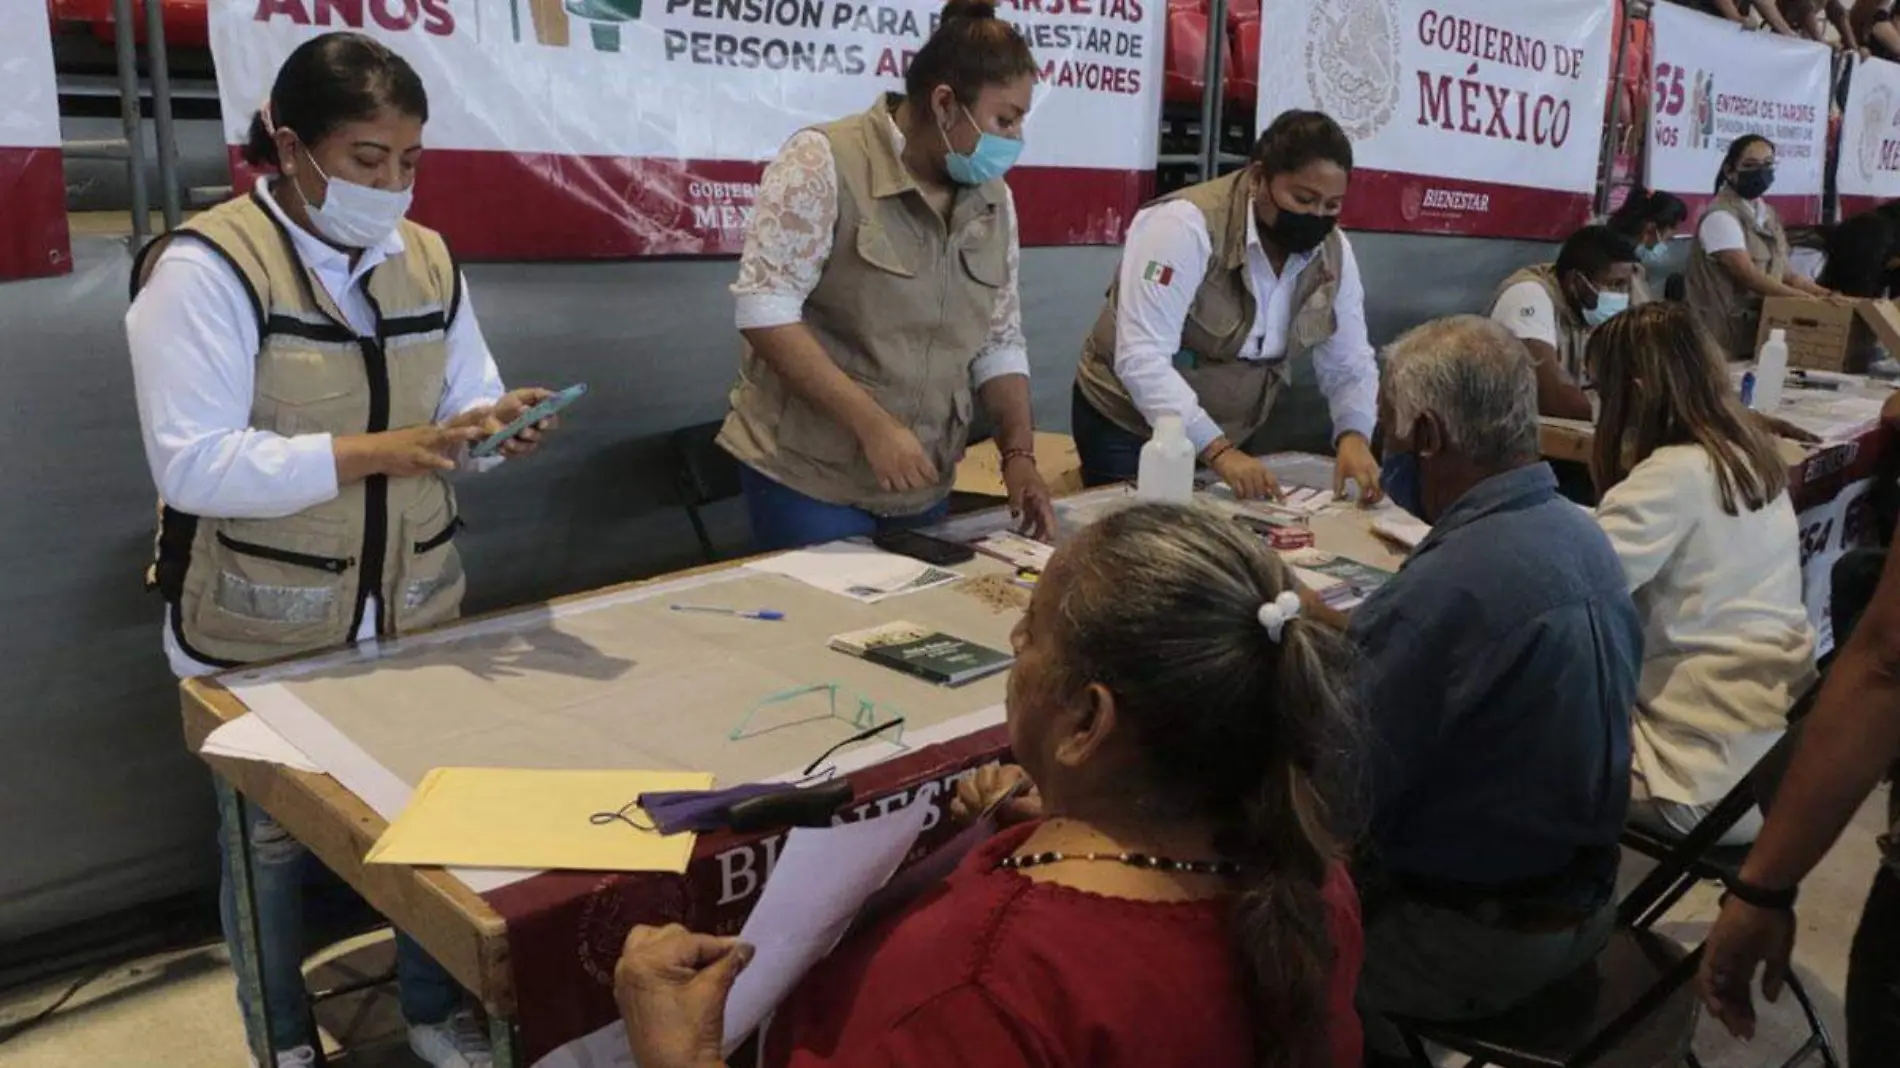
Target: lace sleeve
[[1006, 350], [789, 237]]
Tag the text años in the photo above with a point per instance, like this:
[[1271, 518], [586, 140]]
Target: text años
[[431, 16]]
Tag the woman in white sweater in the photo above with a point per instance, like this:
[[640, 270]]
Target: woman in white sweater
[[1695, 500]]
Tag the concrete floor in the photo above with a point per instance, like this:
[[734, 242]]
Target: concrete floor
[[177, 1009]]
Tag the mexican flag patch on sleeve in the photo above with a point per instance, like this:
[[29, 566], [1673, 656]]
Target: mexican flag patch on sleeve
[[1159, 273]]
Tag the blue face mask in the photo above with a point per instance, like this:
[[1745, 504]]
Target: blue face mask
[[1398, 476], [1653, 256], [1609, 306], [992, 157]]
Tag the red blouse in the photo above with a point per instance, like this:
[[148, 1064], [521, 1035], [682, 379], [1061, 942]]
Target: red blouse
[[993, 969]]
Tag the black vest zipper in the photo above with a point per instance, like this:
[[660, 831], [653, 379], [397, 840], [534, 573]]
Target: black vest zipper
[[376, 489], [335, 565]]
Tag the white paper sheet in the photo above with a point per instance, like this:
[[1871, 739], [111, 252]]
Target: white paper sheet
[[248, 737], [863, 573], [1401, 527], [822, 878]]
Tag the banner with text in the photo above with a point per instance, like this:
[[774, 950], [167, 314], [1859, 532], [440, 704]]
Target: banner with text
[[33, 236], [1869, 173], [1714, 82], [608, 128], [1467, 116]]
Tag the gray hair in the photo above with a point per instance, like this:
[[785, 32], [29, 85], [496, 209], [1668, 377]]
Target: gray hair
[[1477, 378], [1256, 732]]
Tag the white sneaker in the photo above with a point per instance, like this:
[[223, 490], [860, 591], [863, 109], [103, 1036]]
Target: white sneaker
[[459, 1042], [301, 1057]]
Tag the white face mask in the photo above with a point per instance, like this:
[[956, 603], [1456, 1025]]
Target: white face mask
[[355, 216]]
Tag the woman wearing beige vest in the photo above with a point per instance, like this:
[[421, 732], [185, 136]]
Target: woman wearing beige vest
[[1222, 286], [308, 367], [878, 291], [1740, 252]]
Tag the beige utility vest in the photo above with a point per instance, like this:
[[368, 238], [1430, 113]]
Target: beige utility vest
[[1237, 394], [244, 590], [1573, 335], [903, 308], [1730, 312]]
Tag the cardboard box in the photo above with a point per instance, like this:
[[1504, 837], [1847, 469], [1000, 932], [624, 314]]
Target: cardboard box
[[1827, 336]]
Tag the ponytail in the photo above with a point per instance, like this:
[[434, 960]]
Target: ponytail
[[1246, 724]]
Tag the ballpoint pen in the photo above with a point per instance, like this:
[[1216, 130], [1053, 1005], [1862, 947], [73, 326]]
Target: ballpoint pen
[[766, 614]]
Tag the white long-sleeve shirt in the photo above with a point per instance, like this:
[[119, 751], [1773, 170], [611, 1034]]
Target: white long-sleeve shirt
[[1727, 644], [1150, 316], [194, 341], [789, 241]]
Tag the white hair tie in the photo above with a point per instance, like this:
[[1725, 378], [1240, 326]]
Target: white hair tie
[[1275, 614]]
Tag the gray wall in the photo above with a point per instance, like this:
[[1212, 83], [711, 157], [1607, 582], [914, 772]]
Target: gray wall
[[100, 807]]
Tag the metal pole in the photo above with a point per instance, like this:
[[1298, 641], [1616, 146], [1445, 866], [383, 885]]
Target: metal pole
[[1607, 169], [247, 956], [127, 48], [1211, 89], [158, 65]]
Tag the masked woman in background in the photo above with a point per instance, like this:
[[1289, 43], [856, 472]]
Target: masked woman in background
[[878, 291], [1222, 286]]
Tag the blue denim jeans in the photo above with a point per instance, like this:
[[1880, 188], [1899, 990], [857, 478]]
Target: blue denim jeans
[[1109, 453], [783, 518], [426, 993]]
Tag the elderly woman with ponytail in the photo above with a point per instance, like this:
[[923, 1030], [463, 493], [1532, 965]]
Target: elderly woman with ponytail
[[1176, 897]]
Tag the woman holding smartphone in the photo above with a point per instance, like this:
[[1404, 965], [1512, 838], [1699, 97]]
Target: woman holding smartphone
[[308, 368]]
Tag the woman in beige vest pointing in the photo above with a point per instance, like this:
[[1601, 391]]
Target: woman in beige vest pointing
[[308, 367], [878, 290], [1740, 252], [1222, 286]]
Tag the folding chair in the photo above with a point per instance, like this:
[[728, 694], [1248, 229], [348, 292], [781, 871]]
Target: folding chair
[[1695, 858], [704, 474]]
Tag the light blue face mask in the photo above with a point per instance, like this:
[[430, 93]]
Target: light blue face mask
[[1609, 306], [992, 157], [1653, 256]]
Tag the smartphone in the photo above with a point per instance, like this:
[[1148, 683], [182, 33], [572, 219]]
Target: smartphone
[[923, 547], [546, 409]]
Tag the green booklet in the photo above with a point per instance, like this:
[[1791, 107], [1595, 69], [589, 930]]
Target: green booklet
[[929, 655]]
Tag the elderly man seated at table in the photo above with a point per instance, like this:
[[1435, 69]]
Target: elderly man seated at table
[[1501, 666]]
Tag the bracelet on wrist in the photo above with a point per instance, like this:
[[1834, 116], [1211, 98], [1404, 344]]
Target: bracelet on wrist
[[1018, 454], [1218, 453], [1760, 896]]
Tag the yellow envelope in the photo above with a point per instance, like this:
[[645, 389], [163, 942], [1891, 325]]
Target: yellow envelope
[[528, 818]]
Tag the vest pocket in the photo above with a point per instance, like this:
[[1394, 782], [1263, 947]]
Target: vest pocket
[[430, 582], [277, 583], [806, 432], [987, 264]]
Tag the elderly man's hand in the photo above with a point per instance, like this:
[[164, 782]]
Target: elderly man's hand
[[671, 985]]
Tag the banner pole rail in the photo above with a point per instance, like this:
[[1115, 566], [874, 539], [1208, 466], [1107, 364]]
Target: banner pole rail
[[158, 66], [1633, 10], [1212, 91], [125, 45]]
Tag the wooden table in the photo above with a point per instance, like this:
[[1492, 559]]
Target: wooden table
[[456, 926]]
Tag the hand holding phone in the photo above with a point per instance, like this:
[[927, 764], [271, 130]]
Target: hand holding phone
[[527, 420]]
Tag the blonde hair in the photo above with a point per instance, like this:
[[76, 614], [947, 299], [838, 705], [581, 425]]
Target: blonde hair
[[1663, 382]]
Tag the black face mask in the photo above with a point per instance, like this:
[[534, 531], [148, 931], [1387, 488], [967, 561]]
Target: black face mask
[[1298, 232], [1750, 185]]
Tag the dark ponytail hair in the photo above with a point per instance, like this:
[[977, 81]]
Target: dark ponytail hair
[[1257, 736], [1735, 149], [971, 48], [1644, 208], [331, 80], [1297, 138]]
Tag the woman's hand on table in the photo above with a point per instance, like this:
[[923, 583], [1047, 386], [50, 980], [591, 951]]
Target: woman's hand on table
[[671, 986], [1250, 479], [992, 782], [1354, 463], [1030, 502]]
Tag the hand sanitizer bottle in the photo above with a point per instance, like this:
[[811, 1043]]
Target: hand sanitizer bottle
[[1771, 372], [1167, 464]]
